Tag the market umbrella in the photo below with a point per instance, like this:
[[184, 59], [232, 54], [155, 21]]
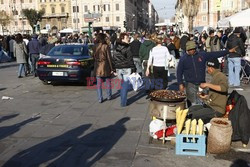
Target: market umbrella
[[239, 19]]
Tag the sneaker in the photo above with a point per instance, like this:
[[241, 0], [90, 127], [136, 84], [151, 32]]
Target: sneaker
[[109, 98], [20, 77], [100, 101], [238, 88]]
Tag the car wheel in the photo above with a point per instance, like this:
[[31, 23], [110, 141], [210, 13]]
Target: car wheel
[[45, 82]]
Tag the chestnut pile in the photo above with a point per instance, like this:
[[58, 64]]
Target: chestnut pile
[[168, 94]]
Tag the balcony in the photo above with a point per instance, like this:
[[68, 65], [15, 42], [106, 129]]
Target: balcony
[[56, 15]]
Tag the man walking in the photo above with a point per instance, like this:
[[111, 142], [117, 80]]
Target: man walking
[[34, 48]]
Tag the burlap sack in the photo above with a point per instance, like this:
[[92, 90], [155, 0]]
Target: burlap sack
[[219, 136]]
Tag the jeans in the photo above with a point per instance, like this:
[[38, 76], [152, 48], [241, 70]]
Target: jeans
[[125, 86], [22, 68], [106, 86], [138, 65], [191, 91], [203, 112], [234, 67], [34, 59]]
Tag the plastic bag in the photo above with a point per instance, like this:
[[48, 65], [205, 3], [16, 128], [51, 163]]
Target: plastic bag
[[136, 81], [155, 126]]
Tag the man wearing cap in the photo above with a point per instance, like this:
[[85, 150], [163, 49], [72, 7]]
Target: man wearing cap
[[215, 101], [192, 66]]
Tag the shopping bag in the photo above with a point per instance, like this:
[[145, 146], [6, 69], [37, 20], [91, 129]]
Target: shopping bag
[[136, 81]]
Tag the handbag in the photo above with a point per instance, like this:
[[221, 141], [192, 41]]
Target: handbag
[[136, 81]]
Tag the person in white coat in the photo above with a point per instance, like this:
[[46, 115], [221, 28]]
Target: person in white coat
[[159, 57]]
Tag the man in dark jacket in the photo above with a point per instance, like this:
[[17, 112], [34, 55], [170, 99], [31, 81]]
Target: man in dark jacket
[[184, 39], [34, 48], [135, 47], [192, 66], [145, 48], [234, 59], [124, 65]]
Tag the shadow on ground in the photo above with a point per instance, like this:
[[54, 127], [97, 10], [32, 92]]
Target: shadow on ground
[[9, 130], [236, 158], [4, 118], [73, 148]]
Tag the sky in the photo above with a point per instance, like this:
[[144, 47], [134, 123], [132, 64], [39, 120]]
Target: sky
[[164, 8]]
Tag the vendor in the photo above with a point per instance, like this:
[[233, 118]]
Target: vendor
[[215, 101]]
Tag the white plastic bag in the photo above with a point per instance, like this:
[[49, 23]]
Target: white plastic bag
[[155, 125], [136, 81]]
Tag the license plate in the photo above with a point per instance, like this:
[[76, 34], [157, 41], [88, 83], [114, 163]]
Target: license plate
[[57, 73]]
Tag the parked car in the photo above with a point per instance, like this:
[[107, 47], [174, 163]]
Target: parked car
[[67, 62]]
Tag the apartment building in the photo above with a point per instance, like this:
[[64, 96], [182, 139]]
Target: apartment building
[[18, 23], [129, 15], [57, 14], [211, 11]]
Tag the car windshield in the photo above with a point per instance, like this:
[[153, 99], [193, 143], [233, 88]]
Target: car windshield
[[69, 50]]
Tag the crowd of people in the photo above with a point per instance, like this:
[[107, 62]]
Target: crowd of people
[[148, 54]]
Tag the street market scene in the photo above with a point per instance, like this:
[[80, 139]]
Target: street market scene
[[124, 83]]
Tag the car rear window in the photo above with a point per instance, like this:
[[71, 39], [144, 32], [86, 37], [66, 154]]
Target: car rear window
[[69, 50]]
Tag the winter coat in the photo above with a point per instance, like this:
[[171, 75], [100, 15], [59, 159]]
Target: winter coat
[[135, 47], [20, 52], [194, 67], [122, 56], [183, 41], [45, 49], [215, 44], [234, 41], [240, 118], [34, 46], [145, 48], [177, 42], [103, 60]]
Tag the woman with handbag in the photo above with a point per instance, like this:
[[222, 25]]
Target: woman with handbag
[[20, 52], [159, 57], [103, 66]]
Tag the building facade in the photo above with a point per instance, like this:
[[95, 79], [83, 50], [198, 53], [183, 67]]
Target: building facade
[[57, 14], [123, 15], [18, 23], [211, 11]]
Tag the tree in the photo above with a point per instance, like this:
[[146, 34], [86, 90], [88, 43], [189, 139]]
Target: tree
[[190, 9], [4, 19], [33, 16]]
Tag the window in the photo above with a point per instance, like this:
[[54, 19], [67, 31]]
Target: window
[[44, 10], [75, 9], [30, 1], [16, 23], [76, 20], [117, 18], [52, 10], [1, 1], [24, 22], [62, 9], [85, 8], [204, 18], [107, 19], [63, 20], [106, 7], [22, 1], [204, 5], [94, 8], [116, 6]]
